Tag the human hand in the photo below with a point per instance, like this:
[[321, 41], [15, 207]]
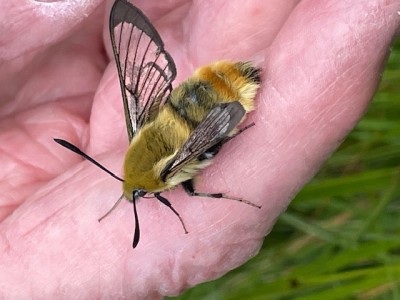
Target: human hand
[[321, 64]]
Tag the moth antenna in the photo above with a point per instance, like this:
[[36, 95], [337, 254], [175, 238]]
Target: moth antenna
[[78, 151]]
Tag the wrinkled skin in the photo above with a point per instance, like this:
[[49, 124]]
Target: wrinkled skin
[[321, 64]]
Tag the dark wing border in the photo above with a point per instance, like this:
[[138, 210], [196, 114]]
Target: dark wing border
[[141, 101], [215, 127]]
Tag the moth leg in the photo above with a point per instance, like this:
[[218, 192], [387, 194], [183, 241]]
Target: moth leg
[[189, 189], [213, 151], [112, 208], [237, 133], [165, 201]]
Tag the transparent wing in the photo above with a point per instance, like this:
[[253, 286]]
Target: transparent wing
[[215, 127], [145, 69]]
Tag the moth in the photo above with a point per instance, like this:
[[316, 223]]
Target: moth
[[173, 133]]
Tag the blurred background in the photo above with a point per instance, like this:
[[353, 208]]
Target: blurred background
[[340, 237]]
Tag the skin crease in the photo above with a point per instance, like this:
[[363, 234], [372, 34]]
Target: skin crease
[[321, 64]]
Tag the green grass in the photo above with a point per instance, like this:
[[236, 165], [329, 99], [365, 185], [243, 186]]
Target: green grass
[[340, 238]]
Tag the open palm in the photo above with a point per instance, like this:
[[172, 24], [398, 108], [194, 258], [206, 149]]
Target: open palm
[[321, 64]]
